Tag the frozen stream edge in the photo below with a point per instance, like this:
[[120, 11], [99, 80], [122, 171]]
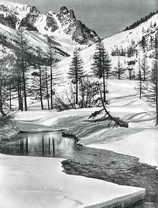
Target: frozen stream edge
[[35, 182]]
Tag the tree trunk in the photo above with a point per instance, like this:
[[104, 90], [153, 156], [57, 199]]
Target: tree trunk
[[156, 90], [140, 82], [47, 91], [76, 92], [41, 94], [104, 89], [1, 100], [24, 89], [119, 70], [51, 87], [82, 93], [76, 80], [20, 98], [10, 96], [144, 69]]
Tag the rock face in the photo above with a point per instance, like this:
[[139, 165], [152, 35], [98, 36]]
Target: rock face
[[7, 18], [30, 19], [63, 21], [75, 28], [51, 23]]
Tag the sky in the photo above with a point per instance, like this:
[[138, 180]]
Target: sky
[[106, 17]]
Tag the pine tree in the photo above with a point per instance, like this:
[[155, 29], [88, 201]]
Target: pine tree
[[101, 65], [76, 71]]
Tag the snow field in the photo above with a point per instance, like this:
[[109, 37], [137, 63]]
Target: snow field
[[31, 182]]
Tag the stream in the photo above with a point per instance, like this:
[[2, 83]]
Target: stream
[[49, 144]]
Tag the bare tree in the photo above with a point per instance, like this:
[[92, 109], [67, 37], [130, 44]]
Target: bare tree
[[156, 76], [5, 72], [21, 65], [50, 63]]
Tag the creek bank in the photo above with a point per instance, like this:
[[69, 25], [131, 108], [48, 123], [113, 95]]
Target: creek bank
[[116, 168], [8, 131]]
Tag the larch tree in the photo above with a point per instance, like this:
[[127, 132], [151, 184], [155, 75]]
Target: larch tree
[[21, 67], [155, 77], [1, 86], [140, 80], [46, 85], [101, 66], [38, 76], [144, 61], [51, 61], [76, 72], [6, 63]]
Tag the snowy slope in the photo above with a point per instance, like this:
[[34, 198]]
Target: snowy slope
[[141, 144], [134, 36]]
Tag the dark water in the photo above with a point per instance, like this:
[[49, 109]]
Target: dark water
[[40, 144]]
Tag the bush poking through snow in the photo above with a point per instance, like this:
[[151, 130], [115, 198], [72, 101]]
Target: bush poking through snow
[[100, 115], [104, 115], [4, 120]]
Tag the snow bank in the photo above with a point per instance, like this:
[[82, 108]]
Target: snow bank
[[143, 144], [124, 103], [39, 182]]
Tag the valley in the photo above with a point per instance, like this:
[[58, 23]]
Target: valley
[[78, 113]]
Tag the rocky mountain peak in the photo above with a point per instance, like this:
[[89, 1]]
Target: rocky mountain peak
[[75, 28], [61, 26], [29, 20], [66, 16]]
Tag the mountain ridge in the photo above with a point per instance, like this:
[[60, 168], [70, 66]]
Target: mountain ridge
[[62, 27]]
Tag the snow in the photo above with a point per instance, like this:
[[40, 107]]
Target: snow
[[122, 40], [21, 10], [143, 144], [124, 103], [139, 140], [40, 182]]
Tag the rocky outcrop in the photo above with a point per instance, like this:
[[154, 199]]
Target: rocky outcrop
[[7, 18], [84, 35], [51, 23], [75, 28], [29, 21]]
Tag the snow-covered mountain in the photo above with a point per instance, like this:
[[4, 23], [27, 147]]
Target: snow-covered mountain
[[62, 27], [66, 32]]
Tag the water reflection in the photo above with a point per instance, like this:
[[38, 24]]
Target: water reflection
[[41, 144]]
